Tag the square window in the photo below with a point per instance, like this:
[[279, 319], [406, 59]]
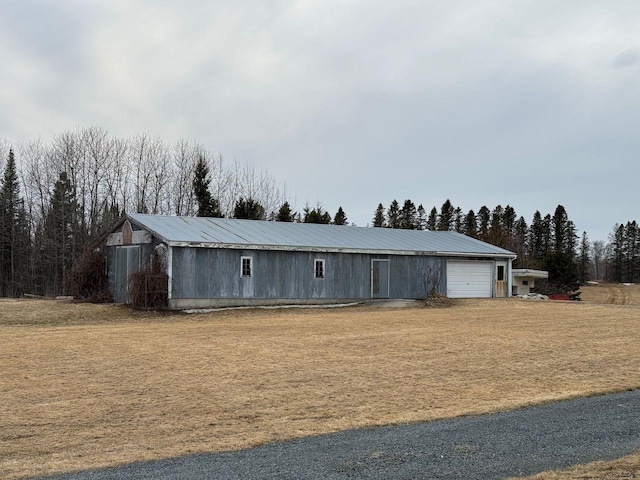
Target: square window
[[319, 269], [525, 283], [245, 268]]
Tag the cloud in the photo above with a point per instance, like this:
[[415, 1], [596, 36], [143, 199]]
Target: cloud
[[629, 58], [350, 102]]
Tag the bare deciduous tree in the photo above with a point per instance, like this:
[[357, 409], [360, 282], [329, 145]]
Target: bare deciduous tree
[[106, 176], [4, 152], [184, 158]]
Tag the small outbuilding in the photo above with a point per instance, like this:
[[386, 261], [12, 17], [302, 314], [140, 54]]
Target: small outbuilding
[[524, 280], [212, 262]]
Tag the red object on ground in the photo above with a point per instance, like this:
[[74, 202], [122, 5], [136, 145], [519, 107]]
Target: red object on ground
[[558, 296]]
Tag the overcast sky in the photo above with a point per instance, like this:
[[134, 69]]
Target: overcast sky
[[352, 103]]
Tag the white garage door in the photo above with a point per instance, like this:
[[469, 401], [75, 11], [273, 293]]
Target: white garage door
[[468, 279]]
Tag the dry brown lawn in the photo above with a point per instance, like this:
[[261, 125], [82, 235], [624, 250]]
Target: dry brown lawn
[[614, 294], [91, 386], [622, 469]]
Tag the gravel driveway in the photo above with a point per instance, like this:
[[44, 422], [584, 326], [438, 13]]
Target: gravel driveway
[[514, 443]]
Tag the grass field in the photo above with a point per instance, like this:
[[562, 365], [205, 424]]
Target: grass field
[[90, 386], [627, 467], [623, 469], [611, 294]]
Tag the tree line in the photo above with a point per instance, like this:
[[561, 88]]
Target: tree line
[[56, 199], [248, 208], [624, 252], [550, 242]]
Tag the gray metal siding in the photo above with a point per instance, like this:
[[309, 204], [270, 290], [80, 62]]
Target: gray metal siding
[[414, 277], [202, 273], [116, 262]]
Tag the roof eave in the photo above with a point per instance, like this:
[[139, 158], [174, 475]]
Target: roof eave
[[290, 248], [530, 273]]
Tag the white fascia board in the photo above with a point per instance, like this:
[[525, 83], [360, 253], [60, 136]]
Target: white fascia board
[[478, 255], [524, 272]]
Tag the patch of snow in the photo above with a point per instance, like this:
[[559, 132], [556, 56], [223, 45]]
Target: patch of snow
[[628, 284], [533, 296], [392, 303]]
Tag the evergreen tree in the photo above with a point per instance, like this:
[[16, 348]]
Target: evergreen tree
[[408, 216], [519, 243], [560, 229], [635, 252], [457, 220], [470, 226], [509, 220], [536, 240], [484, 221], [540, 244], [22, 281], [547, 247], [421, 218], [248, 209], [616, 238], [14, 234], [571, 244], [496, 234], [585, 261], [559, 246], [61, 240], [446, 219], [285, 214], [393, 215], [563, 274], [379, 217], [631, 252], [432, 221], [207, 205], [340, 217], [316, 215]]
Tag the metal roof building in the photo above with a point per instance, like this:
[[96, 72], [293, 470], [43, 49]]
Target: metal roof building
[[232, 233], [215, 262]]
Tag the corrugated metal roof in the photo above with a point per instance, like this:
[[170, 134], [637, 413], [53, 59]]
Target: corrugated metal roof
[[232, 233]]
